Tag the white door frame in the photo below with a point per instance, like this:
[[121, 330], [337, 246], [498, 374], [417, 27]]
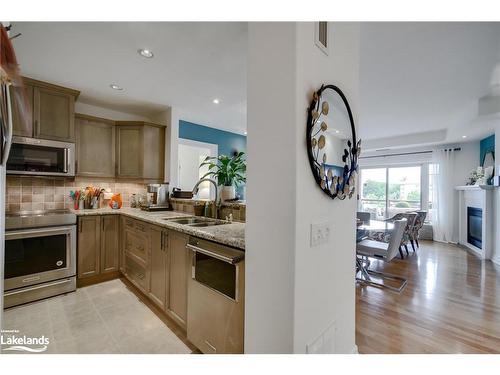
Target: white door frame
[[214, 150]]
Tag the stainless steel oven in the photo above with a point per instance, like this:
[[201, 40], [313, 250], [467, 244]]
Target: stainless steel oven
[[40, 255], [41, 157]]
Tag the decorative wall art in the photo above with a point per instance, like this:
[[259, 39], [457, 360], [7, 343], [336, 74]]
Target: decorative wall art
[[332, 147]]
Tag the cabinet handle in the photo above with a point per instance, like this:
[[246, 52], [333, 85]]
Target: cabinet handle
[[102, 220], [161, 242], [211, 346]]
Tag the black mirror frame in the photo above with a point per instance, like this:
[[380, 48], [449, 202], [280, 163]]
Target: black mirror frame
[[342, 188]]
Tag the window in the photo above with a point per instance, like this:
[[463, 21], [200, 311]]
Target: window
[[388, 191]]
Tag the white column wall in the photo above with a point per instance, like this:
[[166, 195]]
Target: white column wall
[[271, 188], [495, 257], [324, 275], [295, 292]]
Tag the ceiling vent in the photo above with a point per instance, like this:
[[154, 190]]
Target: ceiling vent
[[321, 36]]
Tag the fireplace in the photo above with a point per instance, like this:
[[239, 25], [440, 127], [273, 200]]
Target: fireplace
[[475, 226]]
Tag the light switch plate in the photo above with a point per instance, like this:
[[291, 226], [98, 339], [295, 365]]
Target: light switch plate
[[320, 234]]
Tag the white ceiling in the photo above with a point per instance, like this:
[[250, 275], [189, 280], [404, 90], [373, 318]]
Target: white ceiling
[[424, 80], [419, 82], [193, 64]]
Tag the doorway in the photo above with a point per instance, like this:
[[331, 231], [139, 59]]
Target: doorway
[[191, 155]]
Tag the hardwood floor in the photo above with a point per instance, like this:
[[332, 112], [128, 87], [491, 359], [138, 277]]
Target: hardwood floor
[[450, 305]]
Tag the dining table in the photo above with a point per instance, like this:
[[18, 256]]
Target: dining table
[[374, 229]]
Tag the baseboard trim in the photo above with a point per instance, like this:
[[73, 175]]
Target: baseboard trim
[[81, 282]]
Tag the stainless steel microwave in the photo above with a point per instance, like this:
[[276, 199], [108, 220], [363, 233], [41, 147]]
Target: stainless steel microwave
[[41, 157]]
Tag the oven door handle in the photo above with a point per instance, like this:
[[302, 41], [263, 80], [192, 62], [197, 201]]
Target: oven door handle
[[12, 235], [41, 286], [216, 255]]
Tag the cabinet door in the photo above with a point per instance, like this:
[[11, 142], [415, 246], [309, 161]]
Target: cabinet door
[[22, 128], [89, 246], [178, 257], [154, 153], [54, 114], [158, 273], [95, 146], [129, 151], [109, 243]]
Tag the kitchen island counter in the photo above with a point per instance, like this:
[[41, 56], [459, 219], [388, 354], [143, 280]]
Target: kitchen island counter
[[231, 234]]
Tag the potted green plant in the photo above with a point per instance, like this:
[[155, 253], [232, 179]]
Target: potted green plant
[[229, 172]]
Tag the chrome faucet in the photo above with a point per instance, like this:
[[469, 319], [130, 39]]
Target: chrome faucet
[[216, 202]]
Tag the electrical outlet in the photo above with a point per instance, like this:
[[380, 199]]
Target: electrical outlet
[[320, 234]]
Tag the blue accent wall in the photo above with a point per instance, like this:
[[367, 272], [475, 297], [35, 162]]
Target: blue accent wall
[[486, 145], [227, 142]]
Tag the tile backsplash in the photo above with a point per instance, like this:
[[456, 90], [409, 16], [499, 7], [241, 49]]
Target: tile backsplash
[[38, 193]]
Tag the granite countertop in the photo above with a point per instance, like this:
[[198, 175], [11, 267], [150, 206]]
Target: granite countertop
[[202, 201], [228, 234]]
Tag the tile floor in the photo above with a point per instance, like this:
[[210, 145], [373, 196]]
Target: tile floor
[[104, 318]]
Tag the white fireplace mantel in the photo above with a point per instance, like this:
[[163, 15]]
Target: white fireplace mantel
[[479, 197]]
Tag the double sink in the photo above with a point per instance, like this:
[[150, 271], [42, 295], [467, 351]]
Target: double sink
[[197, 221]]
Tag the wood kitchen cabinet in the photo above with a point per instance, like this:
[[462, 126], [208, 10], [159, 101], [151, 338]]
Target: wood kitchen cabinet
[[97, 245], [169, 272], [51, 109], [136, 252], [19, 127], [109, 243], [179, 270], [140, 150], [95, 146], [159, 267], [89, 246]]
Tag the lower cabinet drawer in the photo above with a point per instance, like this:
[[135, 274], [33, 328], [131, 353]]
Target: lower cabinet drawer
[[137, 244], [136, 272]]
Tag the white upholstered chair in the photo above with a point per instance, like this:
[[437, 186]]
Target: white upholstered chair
[[385, 251]]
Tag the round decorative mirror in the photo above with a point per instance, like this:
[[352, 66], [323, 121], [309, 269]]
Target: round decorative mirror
[[331, 142]]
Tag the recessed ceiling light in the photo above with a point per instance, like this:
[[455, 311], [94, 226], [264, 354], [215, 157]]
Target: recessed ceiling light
[[147, 53], [216, 101], [464, 136], [116, 87], [337, 131]]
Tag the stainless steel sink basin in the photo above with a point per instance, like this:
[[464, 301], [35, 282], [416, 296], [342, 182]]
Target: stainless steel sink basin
[[197, 221]]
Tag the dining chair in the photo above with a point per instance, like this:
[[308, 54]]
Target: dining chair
[[380, 250], [364, 217], [407, 238], [419, 223]]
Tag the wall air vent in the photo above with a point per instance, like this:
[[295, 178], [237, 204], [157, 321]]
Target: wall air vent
[[321, 36]]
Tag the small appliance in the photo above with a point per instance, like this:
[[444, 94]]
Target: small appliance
[[158, 198]]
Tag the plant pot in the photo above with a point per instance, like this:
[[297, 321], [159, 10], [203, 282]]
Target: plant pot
[[227, 193]]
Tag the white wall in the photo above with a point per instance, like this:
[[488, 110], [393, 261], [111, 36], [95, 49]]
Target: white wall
[[496, 201], [295, 292]]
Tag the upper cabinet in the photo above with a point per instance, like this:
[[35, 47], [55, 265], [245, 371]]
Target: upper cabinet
[[51, 111], [140, 150], [20, 128], [95, 146]]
